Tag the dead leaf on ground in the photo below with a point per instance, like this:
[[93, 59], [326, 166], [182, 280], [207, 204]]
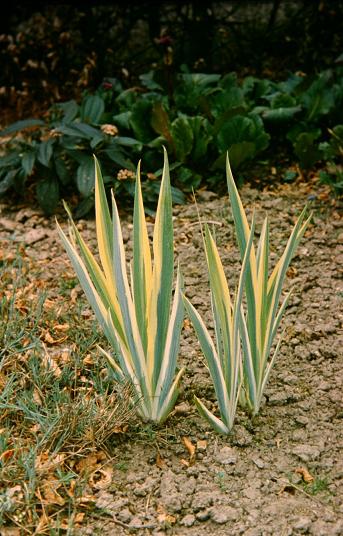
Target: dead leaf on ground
[[187, 324], [182, 409], [88, 360], [47, 337], [74, 521], [86, 499], [90, 463], [37, 397], [306, 476], [160, 463], [191, 449], [6, 455], [47, 463], [15, 493], [101, 478], [163, 517], [10, 531], [49, 494], [74, 294], [61, 327], [291, 272], [87, 464], [201, 445], [121, 429], [50, 363]]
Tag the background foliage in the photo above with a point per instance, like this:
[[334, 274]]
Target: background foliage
[[270, 94]]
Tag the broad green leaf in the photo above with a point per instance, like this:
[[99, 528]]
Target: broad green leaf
[[92, 109], [48, 194], [85, 177], [69, 109], [8, 181], [45, 151], [28, 161], [21, 125], [182, 135]]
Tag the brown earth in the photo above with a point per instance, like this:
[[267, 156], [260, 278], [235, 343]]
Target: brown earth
[[252, 482]]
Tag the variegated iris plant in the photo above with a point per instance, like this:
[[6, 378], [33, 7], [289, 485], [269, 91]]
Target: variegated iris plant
[[139, 317], [224, 356], [259, 325], [240, 362]]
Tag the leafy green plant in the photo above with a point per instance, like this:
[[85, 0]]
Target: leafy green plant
[[224, 357], [58, 153], [260, 323], [143, 333], [240, 362], [332, 151], [199, 118]]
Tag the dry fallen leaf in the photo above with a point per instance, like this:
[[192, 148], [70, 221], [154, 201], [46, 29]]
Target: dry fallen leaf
[[88, 360], [49, 492], [90, 463], [50, 363], [187, 324], [47, 463], [74, 294], [47, 337], [191, 449], [61, 327], [87, 464], [10, 531], [101, 478], [75, 521], [37, 397], [291, 272], [182, 409], [163, 516], [306, 476], [160, 461], [7, 454], [121, 429], [201, 445]]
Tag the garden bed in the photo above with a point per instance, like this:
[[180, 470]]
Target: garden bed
[[278, 474]]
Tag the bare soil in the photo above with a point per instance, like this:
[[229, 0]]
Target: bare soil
[[282, 472]]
